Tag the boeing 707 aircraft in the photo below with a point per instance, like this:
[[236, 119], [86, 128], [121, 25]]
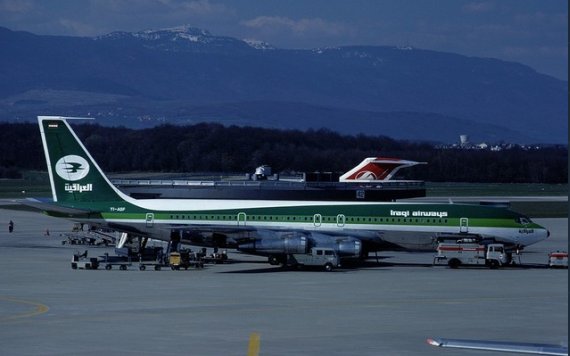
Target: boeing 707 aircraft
[[272, 228]]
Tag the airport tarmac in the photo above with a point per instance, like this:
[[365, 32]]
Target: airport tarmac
[[46, 308]]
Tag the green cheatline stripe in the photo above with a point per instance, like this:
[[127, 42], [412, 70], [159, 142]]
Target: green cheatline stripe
[[232, 219]]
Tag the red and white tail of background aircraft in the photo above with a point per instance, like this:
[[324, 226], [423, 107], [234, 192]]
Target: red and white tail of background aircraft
[[377, 169]]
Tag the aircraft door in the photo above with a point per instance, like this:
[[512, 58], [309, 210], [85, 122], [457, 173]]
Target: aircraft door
[[340, 220], [241, 219], [149, 219], [464, 225], [317, 220]]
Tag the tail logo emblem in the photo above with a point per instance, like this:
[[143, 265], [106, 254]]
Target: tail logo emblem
[[366, 175], [72, 168]]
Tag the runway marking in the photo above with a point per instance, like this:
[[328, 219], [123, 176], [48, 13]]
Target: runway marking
[[253, 349], [39, 309]]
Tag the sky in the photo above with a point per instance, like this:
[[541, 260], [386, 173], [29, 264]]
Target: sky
[[531, 32]]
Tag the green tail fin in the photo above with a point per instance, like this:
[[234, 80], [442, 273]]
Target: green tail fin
[[74, 175]]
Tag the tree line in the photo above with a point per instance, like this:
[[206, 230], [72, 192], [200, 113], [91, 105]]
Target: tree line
[[210, 147]]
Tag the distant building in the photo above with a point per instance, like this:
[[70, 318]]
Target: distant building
[[464, 140]]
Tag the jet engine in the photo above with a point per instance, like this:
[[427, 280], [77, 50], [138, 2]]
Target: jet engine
[[349, 247], [275, 244]]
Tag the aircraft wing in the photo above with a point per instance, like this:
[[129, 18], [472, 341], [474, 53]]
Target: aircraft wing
[[486, 345], [211, 228]]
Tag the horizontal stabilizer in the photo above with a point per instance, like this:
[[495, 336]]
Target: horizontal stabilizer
[[50, 206]]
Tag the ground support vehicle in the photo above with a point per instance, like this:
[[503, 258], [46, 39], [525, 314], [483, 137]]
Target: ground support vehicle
[[184, 259], [80, 261], [91, 238], [558, 259], [156, 265], [152, 257], [74, 238], [216, 258], [470, 253], [318, 256], [121, 262]]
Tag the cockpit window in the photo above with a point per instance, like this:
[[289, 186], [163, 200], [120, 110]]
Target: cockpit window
[[523, 220]]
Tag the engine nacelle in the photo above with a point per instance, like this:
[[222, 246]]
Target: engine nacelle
[[284, 244], [349, 248], [345, 246], [278, 245]]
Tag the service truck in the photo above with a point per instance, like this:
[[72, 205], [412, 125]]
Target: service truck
[[558, 259], [471, 253], [318, 256]]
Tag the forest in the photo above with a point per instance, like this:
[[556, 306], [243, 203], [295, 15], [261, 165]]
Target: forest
[[209, 147]]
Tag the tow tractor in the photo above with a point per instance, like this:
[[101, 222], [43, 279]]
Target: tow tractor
[[80, 260], [185, 259], [470, 253]]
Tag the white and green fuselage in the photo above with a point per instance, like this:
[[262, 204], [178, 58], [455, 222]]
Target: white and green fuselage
[[82, 192]]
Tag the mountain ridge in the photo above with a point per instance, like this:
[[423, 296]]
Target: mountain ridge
[[184, 69]]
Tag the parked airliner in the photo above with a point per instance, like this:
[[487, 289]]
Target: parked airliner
[[272, 228]]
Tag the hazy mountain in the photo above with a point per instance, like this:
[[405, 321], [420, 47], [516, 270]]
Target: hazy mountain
[[188, 75]]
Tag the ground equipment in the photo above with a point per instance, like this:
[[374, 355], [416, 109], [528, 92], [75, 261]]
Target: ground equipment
[[471, 253], [318, 256]]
